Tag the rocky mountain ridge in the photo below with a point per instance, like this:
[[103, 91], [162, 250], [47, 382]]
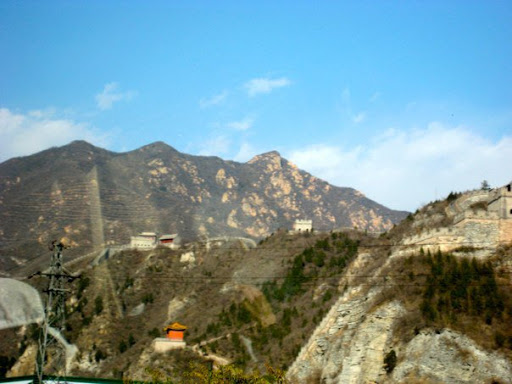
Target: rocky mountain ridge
[[91, 198]]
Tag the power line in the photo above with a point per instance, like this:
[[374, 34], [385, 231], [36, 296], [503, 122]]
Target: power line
[[198, 244], [214, 248], [306, 282]]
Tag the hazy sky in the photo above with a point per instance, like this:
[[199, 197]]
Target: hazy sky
[[402, 100]]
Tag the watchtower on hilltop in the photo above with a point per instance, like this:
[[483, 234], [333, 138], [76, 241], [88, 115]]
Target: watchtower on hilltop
[[302, 226]]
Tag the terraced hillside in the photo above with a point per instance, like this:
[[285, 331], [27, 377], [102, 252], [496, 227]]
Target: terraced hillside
[[91, 198]]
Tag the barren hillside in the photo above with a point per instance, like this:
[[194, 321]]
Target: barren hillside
[[91, 198]]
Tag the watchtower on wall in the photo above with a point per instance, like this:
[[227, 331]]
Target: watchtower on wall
[[492, 226], [481, 219], [302, 226], [500, 201]]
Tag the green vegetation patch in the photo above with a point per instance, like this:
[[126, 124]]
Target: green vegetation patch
[[333, 252], [459, 286], [456, 292]]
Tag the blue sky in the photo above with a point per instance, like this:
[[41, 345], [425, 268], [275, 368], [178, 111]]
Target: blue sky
[[402, 100]]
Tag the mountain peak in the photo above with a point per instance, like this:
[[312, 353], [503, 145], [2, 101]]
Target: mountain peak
[[158, 146], [81, 144], [272, 156], [82, 147]]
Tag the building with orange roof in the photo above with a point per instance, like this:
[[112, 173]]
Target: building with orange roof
[[175, 331], [174, 338]]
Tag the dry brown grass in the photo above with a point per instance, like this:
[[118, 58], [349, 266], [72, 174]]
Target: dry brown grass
[[211, 287], [421, 220]]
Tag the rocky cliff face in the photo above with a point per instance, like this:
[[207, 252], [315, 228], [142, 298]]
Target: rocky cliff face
[[352, 341], [89, 198], [386, 307]]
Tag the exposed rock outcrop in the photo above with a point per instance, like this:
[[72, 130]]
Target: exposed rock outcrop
[[449, 357], [90, 197], [351, 343]]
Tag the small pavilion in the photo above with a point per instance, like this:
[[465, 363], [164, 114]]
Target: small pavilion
[[173, 340], [175, 331]]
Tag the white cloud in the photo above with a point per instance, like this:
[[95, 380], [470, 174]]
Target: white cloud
[[403, 170], [265, 85], [25, 134], [214, 100], [241, 125], [110, 95]]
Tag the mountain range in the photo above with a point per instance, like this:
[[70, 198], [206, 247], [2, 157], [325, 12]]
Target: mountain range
[[427, 301], [90, 198]]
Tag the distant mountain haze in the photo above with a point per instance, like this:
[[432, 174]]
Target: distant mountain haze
[[89, 197]]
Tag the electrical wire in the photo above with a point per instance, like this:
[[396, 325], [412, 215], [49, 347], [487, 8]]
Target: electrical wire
[[213, 249]]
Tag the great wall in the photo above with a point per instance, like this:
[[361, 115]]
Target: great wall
[[480, 219], [351, 342]]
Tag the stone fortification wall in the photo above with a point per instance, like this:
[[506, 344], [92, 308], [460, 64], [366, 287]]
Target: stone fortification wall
[[494, 195], [471, 197], [473, 229], [443, 239], [505, 229], [500, 192], [500, 201], [481, 233], [465, 200], [475, 215], [430, 234]]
